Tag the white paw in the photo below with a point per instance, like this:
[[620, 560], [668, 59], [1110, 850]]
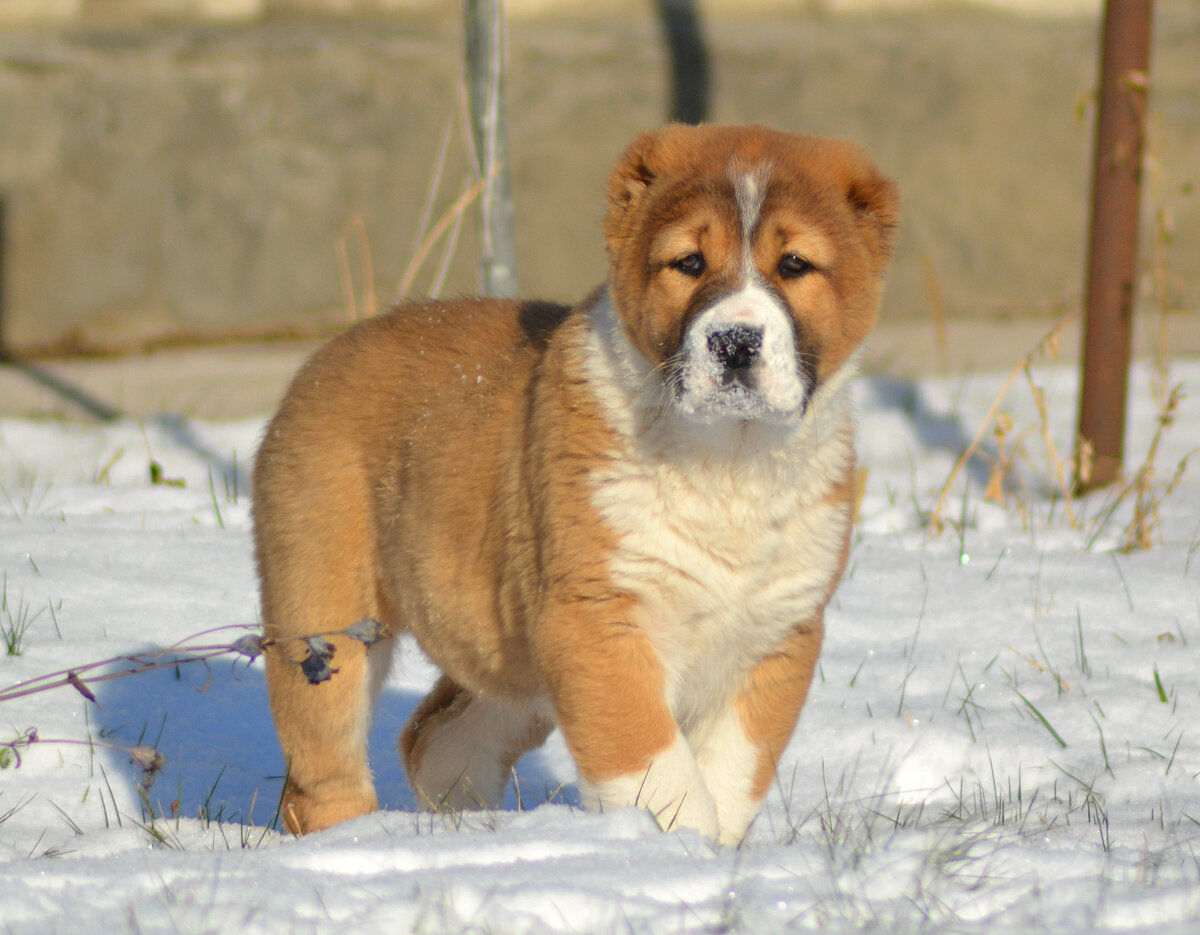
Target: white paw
[[671, 789], [463, 765], [728, 761]]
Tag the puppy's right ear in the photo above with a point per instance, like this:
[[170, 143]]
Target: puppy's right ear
[[633, 174]]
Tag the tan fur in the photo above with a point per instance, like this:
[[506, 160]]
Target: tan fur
[[443, 469], [485, 741]]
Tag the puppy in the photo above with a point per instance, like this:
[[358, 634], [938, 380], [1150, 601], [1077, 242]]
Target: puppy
[[622, 519]]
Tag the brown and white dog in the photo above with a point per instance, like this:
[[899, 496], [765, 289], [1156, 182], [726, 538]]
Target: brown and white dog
[[623, 519]]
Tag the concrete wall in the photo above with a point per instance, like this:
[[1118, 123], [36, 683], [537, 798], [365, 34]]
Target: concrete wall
[[165, 177], [24, 12]]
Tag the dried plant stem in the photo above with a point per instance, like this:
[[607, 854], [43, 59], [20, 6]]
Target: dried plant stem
[[431, 195], [1048, 341], [182, 653], [435, 184], [370, 304], [135, 665], [1145, 518], [937, 305], [447, 219], [1061, 469], [145, 756], [443, 270]]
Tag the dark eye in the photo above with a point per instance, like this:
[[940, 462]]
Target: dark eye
[[793, 266], [690, 265]]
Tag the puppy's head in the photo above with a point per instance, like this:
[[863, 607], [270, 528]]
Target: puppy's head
[[746, 264]]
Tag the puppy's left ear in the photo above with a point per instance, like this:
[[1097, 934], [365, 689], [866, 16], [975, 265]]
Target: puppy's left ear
[[630, 178], [876, 203]]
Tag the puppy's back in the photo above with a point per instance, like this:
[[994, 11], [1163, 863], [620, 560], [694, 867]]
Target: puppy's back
[[362, 423]]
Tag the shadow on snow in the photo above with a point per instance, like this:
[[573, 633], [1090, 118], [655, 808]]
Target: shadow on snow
[[223, 761]]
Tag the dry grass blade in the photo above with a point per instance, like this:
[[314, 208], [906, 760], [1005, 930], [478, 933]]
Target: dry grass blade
[[448, 218], [1048, 343], [1140, 532], [370, 306], [937, 305], [1061, 470], [435, 183]]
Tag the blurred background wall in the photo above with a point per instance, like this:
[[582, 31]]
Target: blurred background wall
[[180, 170]]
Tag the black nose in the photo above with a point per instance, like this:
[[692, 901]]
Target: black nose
[[736, 347]]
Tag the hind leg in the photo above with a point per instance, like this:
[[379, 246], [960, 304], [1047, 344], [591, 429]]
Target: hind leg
[[459, 748]]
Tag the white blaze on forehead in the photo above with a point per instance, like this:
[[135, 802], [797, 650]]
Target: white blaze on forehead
[[749, 189]]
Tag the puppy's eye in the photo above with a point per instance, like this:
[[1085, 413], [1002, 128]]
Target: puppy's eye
[[793, 266], [690, 265]]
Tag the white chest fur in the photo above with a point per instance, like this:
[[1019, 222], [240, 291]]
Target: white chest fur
[[726, 535]]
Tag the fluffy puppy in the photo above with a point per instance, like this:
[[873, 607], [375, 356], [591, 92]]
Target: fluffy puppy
[[622, 519]]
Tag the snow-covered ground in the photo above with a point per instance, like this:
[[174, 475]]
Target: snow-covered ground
[[1003, 736]]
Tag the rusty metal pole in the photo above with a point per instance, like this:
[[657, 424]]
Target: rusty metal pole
[[1113, 240]]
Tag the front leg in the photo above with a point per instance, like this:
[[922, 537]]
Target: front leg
[[608, 689], [740, 749]]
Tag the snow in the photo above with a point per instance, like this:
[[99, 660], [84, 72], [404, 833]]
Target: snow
[[987, 747]]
